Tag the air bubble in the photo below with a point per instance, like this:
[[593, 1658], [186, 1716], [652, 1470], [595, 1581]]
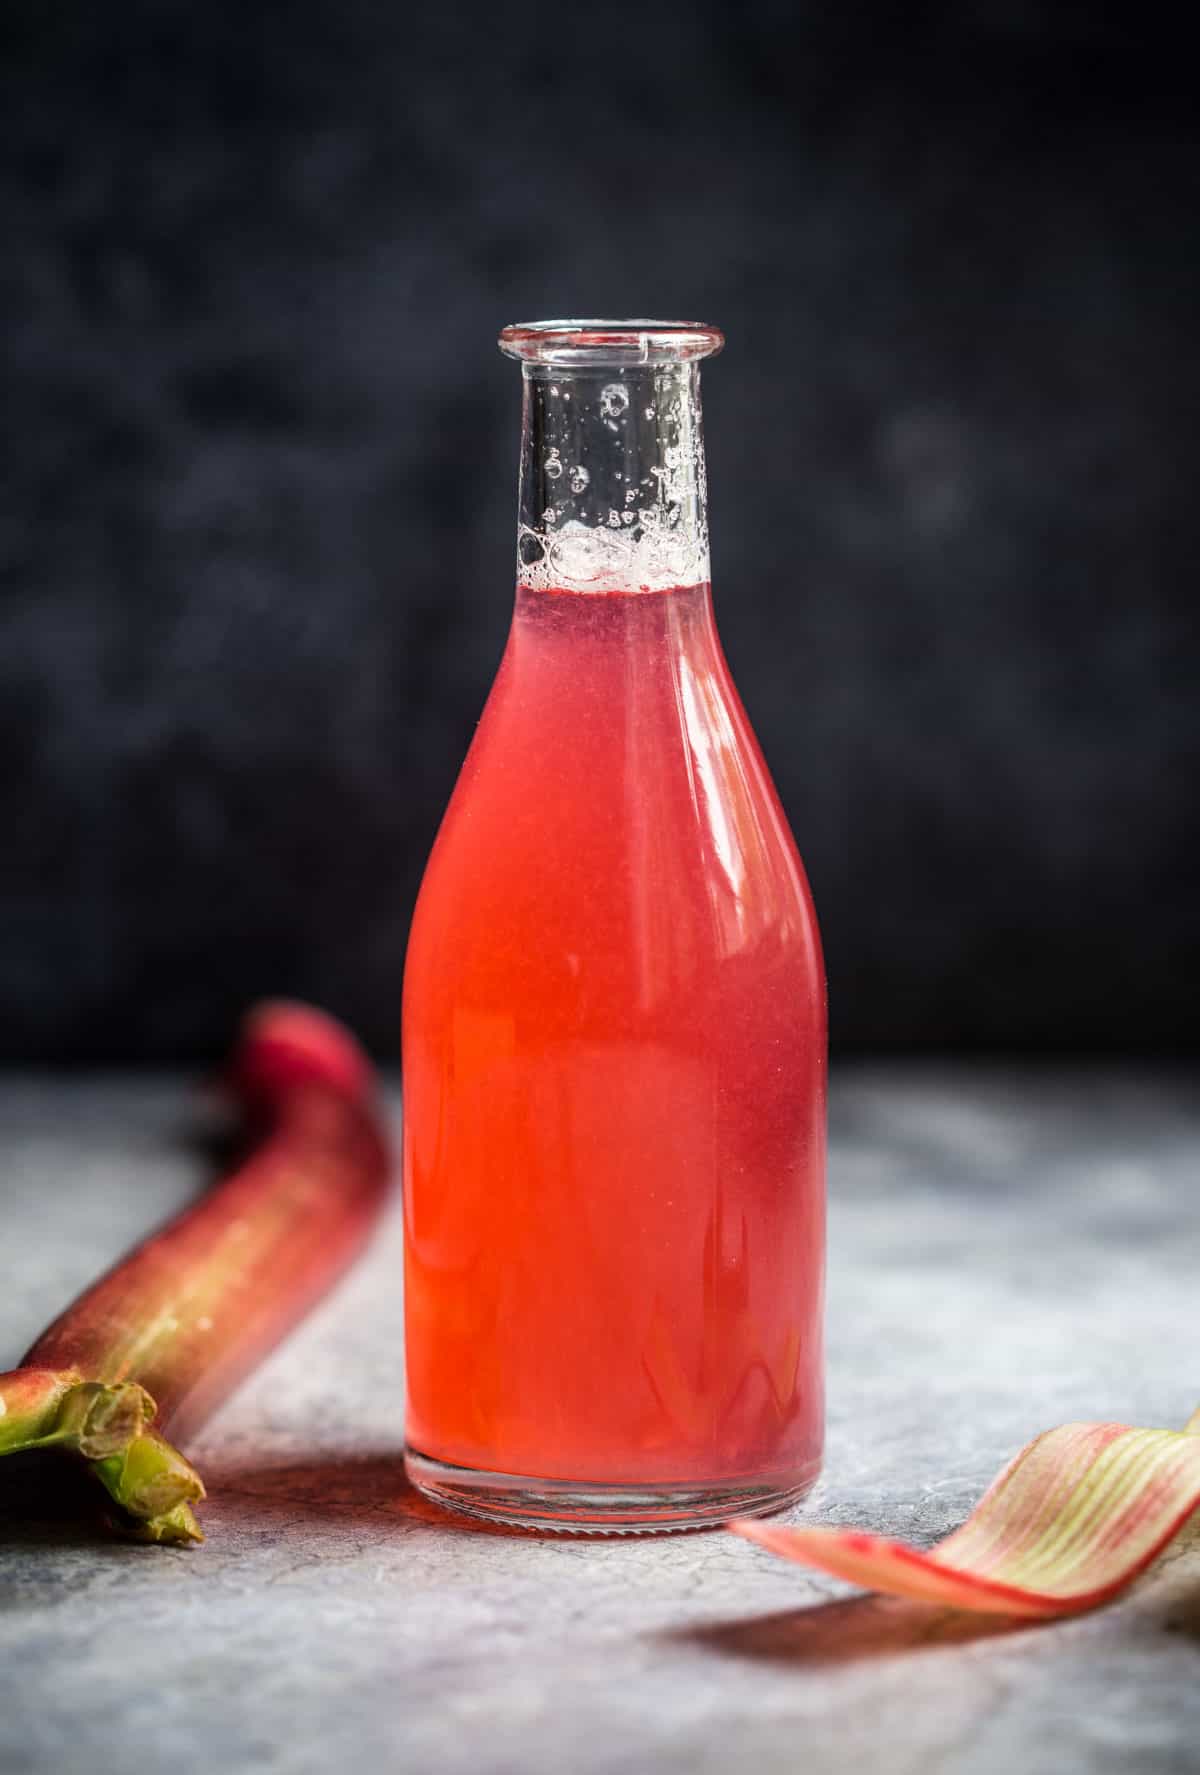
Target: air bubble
[[676, 554], [585, 558], [579, 478], [614, 400]]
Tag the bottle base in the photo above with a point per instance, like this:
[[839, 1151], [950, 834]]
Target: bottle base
[[561, 1506]]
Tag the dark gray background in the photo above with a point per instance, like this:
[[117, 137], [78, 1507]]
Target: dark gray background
[[257, 518]]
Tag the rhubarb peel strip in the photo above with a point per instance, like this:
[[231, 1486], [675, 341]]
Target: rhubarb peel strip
[[166, 1335], [1068, 1524]]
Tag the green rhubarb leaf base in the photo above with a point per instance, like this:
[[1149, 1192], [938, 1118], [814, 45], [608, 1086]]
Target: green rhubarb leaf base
[[150, 1486]]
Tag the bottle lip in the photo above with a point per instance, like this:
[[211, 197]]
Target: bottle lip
[[613, 342]]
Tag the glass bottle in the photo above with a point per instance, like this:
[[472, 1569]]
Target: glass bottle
[[614, 1013]]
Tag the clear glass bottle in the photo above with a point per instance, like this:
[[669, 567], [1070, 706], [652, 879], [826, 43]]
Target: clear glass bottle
[[614, 1013]]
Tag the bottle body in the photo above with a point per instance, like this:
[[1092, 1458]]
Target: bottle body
[[614, 1092]]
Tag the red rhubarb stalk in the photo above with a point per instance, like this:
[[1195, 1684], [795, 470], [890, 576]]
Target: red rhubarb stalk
[[1068, 1525], [165, 1336]]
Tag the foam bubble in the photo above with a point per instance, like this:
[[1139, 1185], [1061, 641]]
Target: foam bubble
[[585, 557]]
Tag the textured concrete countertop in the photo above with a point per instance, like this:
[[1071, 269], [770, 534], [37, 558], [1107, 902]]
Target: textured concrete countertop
[[1009, 1249]]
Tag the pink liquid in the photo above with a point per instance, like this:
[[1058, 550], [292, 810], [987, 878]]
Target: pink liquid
[[614, 1037]]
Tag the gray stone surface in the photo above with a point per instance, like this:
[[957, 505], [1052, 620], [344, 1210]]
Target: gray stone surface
[[1009, 1250]]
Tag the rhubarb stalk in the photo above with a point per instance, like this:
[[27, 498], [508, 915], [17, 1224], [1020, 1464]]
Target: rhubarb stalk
[[160, 1341], [1069, 1524]]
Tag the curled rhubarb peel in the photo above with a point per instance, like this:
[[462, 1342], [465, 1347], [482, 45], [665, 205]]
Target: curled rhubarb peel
[[1069, 1523], [165, 1336]]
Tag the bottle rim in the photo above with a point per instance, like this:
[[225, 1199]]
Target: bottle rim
[[601, 342]]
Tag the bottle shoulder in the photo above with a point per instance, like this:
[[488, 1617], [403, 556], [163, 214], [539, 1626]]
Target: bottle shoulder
[[615, 796]]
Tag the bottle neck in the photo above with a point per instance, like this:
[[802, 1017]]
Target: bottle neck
[[613, 493]]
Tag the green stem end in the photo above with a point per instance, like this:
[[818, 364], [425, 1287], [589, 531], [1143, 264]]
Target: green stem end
[[109, 1428]]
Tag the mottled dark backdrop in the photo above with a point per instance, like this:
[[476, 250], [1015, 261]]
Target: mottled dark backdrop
[[257, 511]]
